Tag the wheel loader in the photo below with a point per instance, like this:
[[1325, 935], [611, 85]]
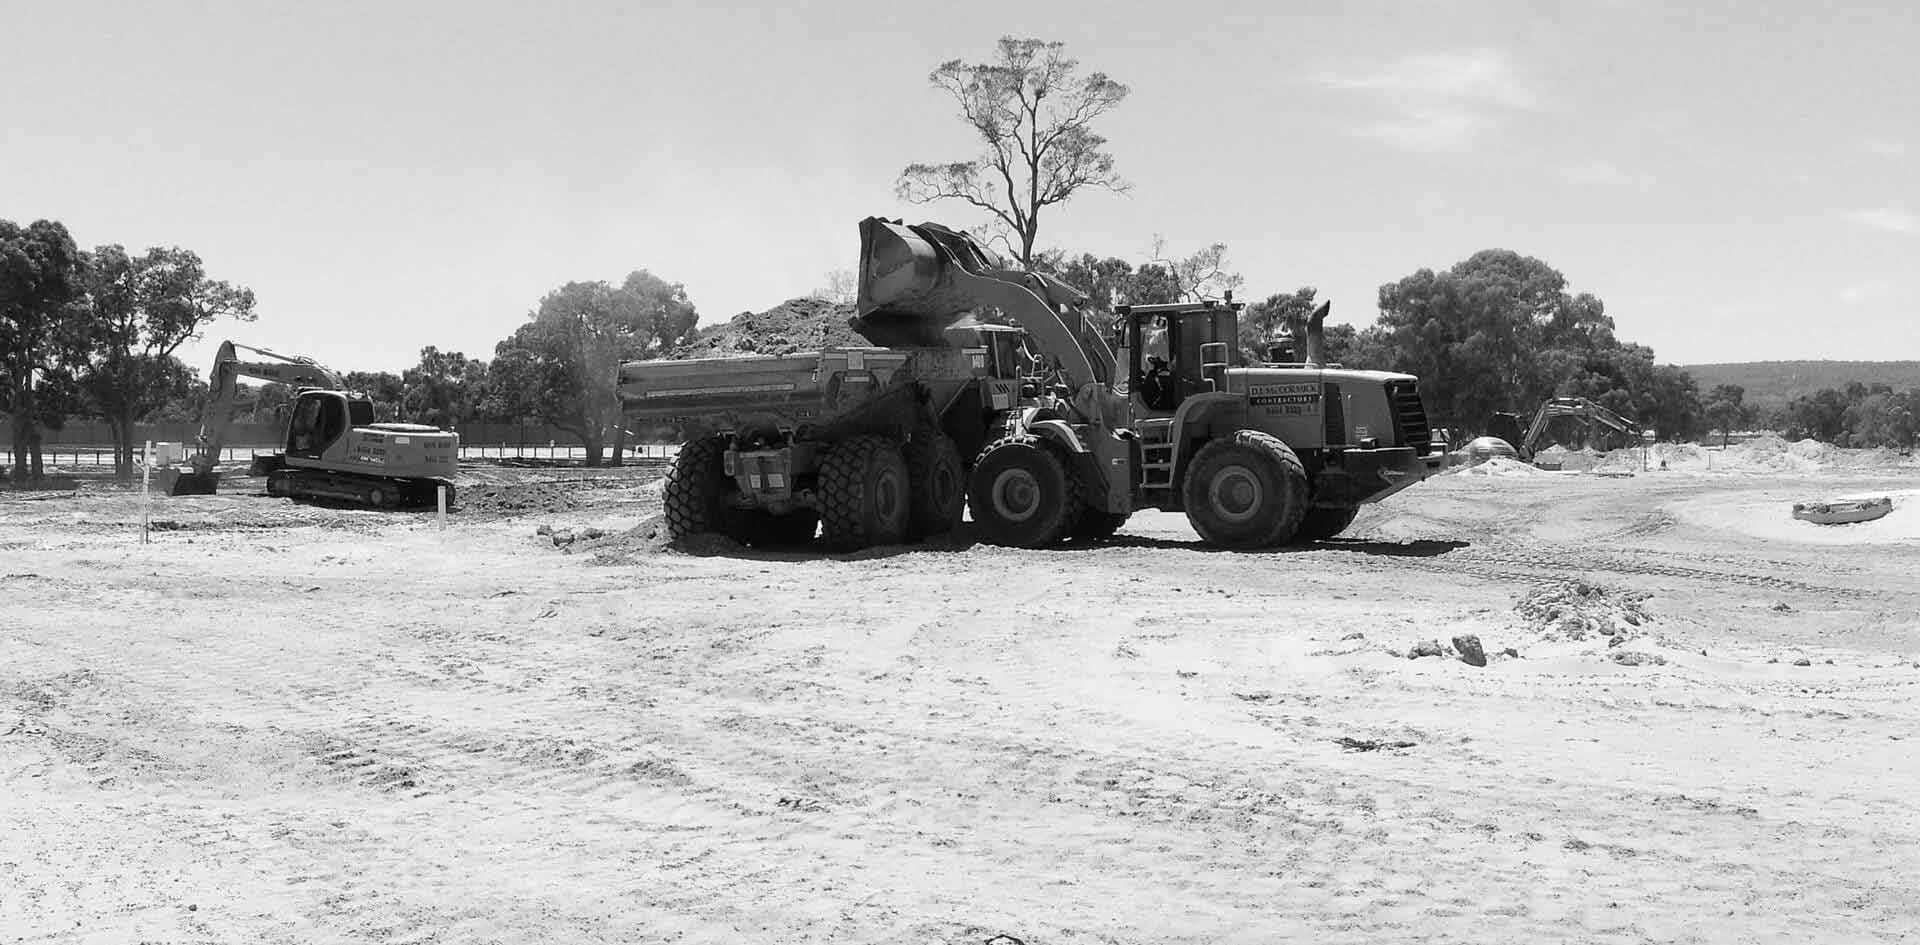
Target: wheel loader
[[332, 448], [1061, 443]]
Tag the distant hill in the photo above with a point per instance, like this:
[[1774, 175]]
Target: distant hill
[[1773, 383]]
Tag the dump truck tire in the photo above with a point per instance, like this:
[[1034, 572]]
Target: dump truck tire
[[694, 499], [1022, 494], [1247, 490], [1322, 524], [866, 495], [939, 484]]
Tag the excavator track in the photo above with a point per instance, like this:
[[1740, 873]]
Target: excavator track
[[374, 492]]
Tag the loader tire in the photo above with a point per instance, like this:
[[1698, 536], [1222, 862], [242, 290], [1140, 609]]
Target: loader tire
[[696, 494], [939, 484], [1322, 524], [866, 495], [1247, 490], [1022, 493]]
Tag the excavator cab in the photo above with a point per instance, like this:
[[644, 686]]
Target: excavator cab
[[320, 417]]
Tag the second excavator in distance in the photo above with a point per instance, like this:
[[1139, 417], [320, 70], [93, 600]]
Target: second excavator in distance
[[332, 448]]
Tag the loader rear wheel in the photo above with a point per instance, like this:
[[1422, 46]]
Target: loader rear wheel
[[939, 484], [696, 496], [1322, 524], [866, 496], [1022, 493], [1247, 490], [382, 497]]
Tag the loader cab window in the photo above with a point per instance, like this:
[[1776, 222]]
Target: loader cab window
[[1154, 368], [359, 413]]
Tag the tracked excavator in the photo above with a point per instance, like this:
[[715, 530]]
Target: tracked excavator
[[1096, 419], [332, 448], [1573, 422]]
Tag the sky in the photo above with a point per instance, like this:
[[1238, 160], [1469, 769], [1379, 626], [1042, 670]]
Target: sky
[[1735, 180]]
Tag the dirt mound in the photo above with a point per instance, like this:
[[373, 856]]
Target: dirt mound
[[793, 325], [649, 537], [518, 498], [1579, 611]]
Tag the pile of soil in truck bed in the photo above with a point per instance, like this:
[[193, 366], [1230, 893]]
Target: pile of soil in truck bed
[[793, 325]]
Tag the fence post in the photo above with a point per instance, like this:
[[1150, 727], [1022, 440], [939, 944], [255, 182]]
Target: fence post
[[146, 498]]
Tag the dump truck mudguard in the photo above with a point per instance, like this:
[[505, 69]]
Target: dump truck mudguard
[[1350, 477]]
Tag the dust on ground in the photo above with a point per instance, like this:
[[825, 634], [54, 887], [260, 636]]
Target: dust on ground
[[398, 732]]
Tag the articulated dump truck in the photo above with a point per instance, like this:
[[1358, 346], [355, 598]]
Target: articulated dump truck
[[1056, 428]]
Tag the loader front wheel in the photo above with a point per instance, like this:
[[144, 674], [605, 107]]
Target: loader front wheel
[[1322, 524], [1022, 493], [697, 490], [866, 495], [1247, 490], [939, 484]]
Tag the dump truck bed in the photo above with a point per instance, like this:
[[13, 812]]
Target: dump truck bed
[[832, 389]]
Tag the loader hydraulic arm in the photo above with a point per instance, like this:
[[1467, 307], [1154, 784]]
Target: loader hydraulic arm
[[224, 390], [917, 280]]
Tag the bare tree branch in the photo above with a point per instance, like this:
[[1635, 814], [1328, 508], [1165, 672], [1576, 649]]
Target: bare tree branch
[[1032, 114]]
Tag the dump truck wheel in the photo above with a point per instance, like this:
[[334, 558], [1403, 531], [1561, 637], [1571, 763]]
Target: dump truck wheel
[[939, 484], [866, 496], [1321, 524], [1247, 490], [1022, 494], [696, 492]]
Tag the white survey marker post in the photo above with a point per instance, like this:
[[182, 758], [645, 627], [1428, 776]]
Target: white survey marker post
[[441, 492], [146, 476]]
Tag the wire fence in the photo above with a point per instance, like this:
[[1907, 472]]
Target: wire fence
[[72, 455]]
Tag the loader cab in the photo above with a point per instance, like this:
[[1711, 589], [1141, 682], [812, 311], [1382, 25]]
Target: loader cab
[[1172, 352], [321, 417]]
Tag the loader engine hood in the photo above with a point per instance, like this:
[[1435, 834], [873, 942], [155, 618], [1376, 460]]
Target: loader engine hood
[[1337, 407]]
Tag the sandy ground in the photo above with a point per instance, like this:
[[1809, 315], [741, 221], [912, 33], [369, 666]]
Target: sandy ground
[[279, 723]]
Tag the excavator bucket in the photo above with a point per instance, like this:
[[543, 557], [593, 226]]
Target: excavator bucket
[[907, 297], [186, 482]]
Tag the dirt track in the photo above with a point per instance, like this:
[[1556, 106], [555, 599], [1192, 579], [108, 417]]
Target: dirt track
[[286, 724]]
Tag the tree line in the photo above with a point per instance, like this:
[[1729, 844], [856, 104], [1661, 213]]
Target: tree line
[[93, 334]]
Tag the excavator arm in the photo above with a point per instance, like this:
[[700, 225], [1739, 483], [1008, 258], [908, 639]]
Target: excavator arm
[[915, 281], [1574, 407], [222, 396]]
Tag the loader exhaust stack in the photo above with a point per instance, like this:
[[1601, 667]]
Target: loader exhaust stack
[[1310, 337]]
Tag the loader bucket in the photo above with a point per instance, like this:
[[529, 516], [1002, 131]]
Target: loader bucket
[[186, 482], [907, 297]]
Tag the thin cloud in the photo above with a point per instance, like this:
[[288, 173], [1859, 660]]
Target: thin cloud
[[1882, 146], [1887, 218], [1436, 100], [1870, 291]]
